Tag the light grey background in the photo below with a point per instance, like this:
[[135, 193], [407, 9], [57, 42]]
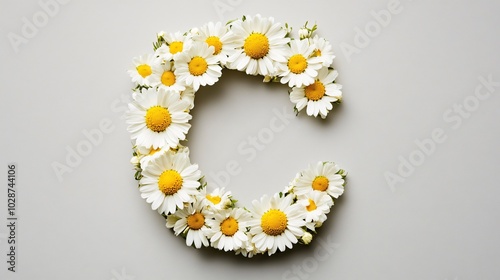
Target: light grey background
[[441, 222]]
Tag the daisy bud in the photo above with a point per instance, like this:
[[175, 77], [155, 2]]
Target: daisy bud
[[194, 31], [267, 79], [307, 238], [303, 33], [134, 160]]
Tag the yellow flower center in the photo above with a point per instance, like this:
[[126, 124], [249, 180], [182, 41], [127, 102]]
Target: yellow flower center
[[195, 221], [311, 206], [215, 42], [320, 183], [158, 118], [316, 53], [229, 226], [315, 91], [273, 222], [176, 47], [168, 78], [197, 66], [153, 151], [170, 182], [297, 64], [214, 199], [144, 70], [256, 45]]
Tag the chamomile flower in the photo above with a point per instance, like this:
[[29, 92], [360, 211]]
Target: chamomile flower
[[191, 221], [322, 50], [259, 44], [228, 229], [216, 35], [169, 181], [167, 79], [146, 70], [218, 199], [248, 249], [319, 95], [158, 118], [300, 68], [323, 177], [146, 155], [276, 223], [317, 204], [188, 96], [176, 43], [198, 66]]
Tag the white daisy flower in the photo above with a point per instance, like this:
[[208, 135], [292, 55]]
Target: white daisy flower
[[318, 96], [321, 177], [316, 205], [228, 229], [188, 96], [300, 68], [259, 43], [176, 43], [217, 36], [191, 221], [248, 249], [167, 79], [218, 199], [198, 66], [146, 155], [169, 181], [146, 70], [158, 118], [276, 223], [322, 50]]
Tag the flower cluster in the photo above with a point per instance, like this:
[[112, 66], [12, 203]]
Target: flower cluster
[[158, 119]]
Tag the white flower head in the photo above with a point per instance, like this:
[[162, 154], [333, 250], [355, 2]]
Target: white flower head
[[217, 199], [198, 66], [322, 177], [191, 221], [300, 68], [145, 70], [318, 96], [176, 43], [260, 43], [322, 50], [158, 118], [167, 79], [218, 36], [276, 223], [316, 205], [228, 229], [169, 181]]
